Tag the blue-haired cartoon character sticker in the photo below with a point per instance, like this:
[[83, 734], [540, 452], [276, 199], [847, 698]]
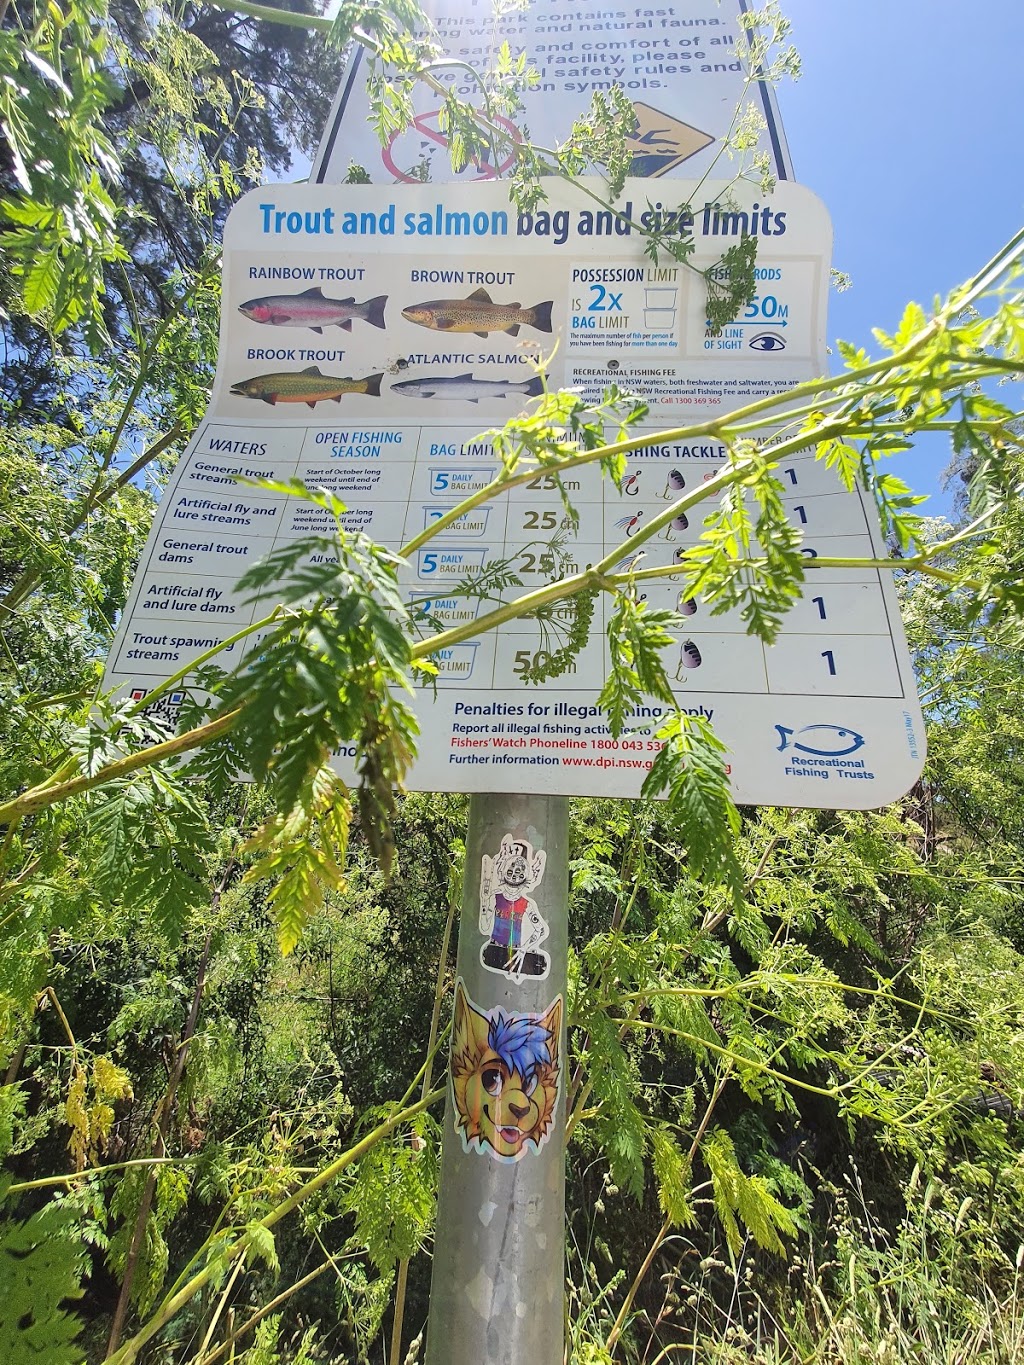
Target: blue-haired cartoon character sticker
[[506, 1077], [820, 741]]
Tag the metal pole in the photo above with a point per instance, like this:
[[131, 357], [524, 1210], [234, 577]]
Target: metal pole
[[496, 1295]]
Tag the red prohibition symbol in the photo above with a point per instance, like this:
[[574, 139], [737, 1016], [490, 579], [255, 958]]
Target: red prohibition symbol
[[427, 125]]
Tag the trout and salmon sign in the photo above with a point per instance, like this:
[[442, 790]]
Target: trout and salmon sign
[[370, 338]]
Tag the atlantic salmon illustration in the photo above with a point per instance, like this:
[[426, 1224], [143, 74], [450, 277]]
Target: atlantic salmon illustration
[[311, 309], [479, 314], [307, 386], [467, 389]]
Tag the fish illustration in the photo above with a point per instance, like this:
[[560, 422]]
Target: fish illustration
[[478, 314], [467, 389], [832, 741], [311, 309], [307, 386]]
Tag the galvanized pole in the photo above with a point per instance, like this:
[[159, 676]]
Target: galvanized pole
[[496, 1295]]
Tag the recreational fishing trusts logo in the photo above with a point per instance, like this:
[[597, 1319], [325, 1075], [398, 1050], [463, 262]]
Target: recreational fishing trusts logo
[[823, 752]]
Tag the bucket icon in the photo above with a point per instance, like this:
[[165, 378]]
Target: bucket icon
[[660, 303]]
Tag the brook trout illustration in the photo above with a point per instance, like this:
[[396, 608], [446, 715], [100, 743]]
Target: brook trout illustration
[[468, 389], [313, 310], [308, 386], [479, 314]]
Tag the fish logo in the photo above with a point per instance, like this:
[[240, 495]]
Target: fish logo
[[822, 741]]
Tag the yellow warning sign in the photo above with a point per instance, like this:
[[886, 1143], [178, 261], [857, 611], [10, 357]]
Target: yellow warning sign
[[661, 142]]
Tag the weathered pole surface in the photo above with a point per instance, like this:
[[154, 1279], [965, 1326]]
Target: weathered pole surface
[[496, 1295]]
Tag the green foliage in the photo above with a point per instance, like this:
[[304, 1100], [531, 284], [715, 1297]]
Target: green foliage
[[62, 220], [152, 834], [42, 1266], [690, 772], [329, 671], [747, 1196], [394, 1193], [172, 1191], [620, 1128], [636, 637]]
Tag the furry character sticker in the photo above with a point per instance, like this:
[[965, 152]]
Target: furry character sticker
[[509, 919], [506, 1071]]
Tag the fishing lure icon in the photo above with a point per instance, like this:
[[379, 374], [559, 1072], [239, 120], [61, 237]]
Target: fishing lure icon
[[629, 524], [675, 483], [689, 657], [630, 562], [679, 523], [821, 741], [631, 486]]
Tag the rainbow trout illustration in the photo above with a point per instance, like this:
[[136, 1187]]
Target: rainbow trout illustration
[[308, 386], [313, 310], [478, 314], [465, 388]]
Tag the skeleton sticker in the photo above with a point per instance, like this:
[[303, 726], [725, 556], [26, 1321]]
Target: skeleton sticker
[[509, 919], [506, 1074]]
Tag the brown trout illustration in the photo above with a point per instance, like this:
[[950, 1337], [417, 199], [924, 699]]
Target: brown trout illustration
[[311, 309], [308, 386], [478, 314]]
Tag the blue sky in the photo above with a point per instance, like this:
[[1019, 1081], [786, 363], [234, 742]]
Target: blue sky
[[908, 122]]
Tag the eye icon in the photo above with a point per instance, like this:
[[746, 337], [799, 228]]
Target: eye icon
[[767, 341]]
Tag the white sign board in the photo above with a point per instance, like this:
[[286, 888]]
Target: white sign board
[[682, 66], [371, 336]]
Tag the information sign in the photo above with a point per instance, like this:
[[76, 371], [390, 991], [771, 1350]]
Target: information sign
[[370, 338], [680, 64]]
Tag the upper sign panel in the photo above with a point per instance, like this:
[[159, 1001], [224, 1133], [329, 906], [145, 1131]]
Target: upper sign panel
[[681, 65]]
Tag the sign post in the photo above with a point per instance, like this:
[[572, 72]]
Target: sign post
[[497, 1287]]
